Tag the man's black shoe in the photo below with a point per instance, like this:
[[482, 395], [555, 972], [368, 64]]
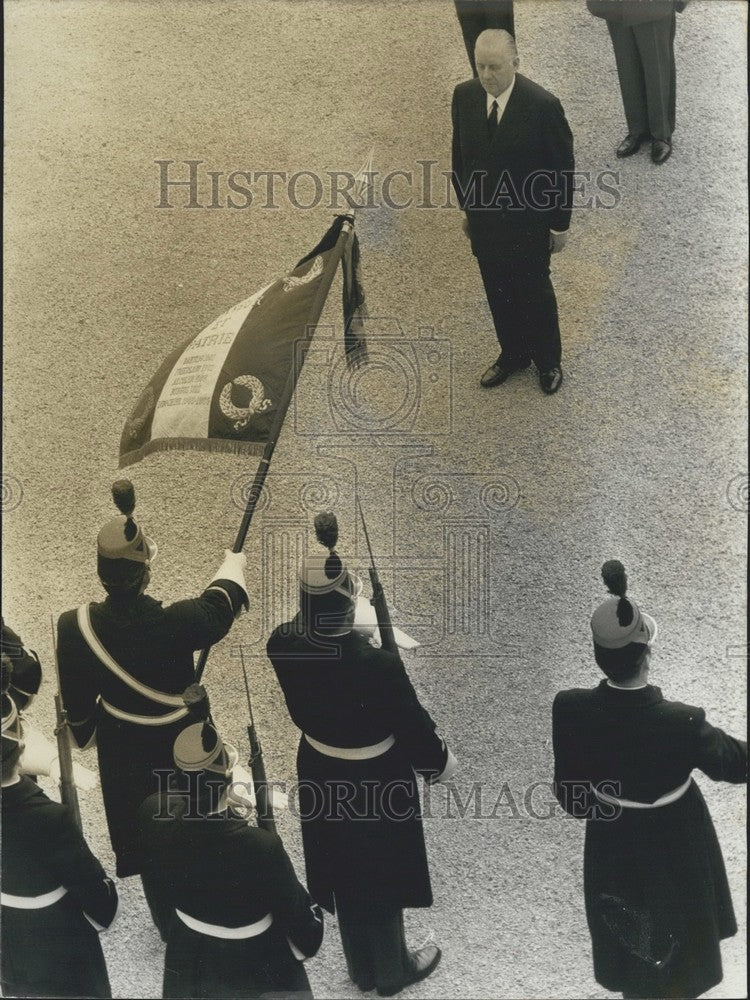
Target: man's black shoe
[[660, 151], [629, 145], [551, 380], [497, 373], [421, 963]]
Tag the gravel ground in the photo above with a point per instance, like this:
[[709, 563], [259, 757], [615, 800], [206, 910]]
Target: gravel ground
[[492, 511]]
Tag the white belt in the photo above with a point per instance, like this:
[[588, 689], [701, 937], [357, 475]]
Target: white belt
[[352, 753], [664, 800], [144, 720], [33, 902], [229, 933]]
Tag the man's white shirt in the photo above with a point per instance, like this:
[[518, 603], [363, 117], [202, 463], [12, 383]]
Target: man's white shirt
[[502, 99]]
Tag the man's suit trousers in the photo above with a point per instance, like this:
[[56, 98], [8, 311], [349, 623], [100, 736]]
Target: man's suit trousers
[[476, 16], [523, 306], [644, 54]]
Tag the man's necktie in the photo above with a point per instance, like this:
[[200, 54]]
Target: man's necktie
[[492, 119]]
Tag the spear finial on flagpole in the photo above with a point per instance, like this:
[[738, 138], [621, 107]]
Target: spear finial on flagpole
[[363, 181]]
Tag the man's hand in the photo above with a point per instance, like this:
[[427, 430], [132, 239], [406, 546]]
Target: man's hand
[[465, 226], [557, 241]]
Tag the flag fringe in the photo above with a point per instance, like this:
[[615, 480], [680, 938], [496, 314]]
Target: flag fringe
[[215, 445]]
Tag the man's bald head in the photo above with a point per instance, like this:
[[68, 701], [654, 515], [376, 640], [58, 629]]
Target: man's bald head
[[496, 59]]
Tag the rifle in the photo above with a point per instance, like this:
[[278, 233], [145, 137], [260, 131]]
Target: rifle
[[378, 601], [68, 790], [263, 804]]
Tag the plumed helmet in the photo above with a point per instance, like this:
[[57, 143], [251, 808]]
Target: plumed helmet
[[327, 589], [199, 747], [124, 552], [618, 621], [12, 734]]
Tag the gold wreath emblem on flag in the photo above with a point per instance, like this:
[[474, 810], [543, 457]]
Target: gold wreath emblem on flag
[[242, 415], [291, 281]]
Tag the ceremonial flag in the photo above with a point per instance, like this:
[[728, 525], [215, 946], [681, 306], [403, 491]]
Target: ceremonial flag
[[228, 388]]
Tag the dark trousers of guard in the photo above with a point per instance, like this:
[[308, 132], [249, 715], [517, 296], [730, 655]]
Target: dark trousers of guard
[[475, 16], [644, 54], [372, 936], [523, 306], [159, 904]]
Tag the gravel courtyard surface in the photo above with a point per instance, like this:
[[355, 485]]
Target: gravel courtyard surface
[[492, 511]]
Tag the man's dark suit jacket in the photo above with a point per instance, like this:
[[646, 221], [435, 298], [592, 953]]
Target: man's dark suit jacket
[[631, 12], [516, 186]]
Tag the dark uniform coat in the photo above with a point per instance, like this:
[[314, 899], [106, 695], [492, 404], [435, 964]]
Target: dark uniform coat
[[345, 693], [219, 870], [154, 644], [53, 951], [657, 898]]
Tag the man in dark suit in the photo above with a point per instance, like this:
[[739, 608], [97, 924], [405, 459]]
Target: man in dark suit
[[642, 33], [512, 166], [475, 16]]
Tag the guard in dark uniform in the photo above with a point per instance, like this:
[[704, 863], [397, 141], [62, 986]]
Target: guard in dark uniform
[[26, 676], [242, 924], [656, 891], [123, 666], [475, 16], [55, 895], [364, 733]]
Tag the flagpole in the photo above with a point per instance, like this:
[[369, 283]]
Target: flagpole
[[362, 182]]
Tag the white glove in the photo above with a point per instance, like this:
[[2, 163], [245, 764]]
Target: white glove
[[233, 568], [83, 778], [451, 766]]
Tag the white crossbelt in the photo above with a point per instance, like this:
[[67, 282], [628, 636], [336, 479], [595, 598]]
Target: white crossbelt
[[151, 694], [664, 800], [33, 902], [229, 933], [143, 720], [352, 753]]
